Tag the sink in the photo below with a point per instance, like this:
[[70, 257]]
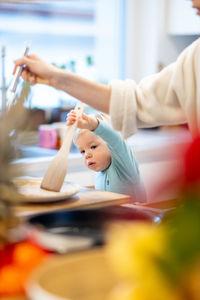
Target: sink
[[35, 151]]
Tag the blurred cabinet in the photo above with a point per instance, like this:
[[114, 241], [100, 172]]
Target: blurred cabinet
[[182, 18]]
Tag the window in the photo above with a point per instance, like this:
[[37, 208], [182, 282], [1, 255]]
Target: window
[[82, 36]]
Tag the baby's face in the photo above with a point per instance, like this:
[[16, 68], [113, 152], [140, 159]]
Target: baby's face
[[96, 154]]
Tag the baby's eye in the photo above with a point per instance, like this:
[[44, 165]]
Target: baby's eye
[[93, 147], [82, 151]]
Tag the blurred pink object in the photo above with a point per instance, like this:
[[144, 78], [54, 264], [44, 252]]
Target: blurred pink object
[[48, 136]]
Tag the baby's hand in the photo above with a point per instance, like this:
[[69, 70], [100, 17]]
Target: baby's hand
[[84, 122], [71, 118]]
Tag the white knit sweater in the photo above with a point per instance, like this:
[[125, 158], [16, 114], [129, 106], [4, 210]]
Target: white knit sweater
[[171, 96]]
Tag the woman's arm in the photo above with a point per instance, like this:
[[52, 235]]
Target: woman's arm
[[169, 97], [37, 70]]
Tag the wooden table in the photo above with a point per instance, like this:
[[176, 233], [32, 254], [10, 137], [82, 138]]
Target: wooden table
[[86, 198]]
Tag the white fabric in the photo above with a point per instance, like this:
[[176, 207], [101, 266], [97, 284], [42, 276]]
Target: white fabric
[[171, 96]]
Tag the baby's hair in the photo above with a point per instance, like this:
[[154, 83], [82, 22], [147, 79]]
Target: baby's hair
[[100, 116]]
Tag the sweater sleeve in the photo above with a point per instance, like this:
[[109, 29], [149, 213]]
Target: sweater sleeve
[[171, 96], [110, 136], [119, 147]]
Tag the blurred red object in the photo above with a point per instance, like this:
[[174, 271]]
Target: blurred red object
[[17, 261], [192, 163]]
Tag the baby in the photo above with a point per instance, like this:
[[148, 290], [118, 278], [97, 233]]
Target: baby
[[109, 155]]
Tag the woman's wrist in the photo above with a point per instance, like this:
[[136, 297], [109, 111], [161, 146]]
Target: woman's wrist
[[57, 78]]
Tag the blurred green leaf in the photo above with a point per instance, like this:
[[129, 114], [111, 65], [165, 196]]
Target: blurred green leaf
[[183, 246]]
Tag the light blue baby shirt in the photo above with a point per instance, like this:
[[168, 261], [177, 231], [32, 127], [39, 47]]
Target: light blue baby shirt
[[122, 176]]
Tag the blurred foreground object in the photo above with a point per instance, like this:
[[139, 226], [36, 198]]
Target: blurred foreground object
[[139, 260], [162, 262], [9, 122], [83, 275], [17, 261], [17, 257]]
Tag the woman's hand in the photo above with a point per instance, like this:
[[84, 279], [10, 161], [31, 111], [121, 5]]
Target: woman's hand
[[83, 122], [36, 70]]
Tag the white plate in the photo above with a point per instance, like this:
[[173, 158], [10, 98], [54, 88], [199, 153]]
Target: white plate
[[30, 190]]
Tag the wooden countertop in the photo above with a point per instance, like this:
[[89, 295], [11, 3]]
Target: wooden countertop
[[85, 198]]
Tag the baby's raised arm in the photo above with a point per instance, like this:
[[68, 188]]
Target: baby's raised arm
[[84, 122]]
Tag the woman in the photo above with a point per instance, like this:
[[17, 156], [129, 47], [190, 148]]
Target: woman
[[169, 97]]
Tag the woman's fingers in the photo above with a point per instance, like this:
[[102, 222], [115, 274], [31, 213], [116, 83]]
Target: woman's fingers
[[29, 61], [35, 70], [32, 79], [19, 62], [28, 76]]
